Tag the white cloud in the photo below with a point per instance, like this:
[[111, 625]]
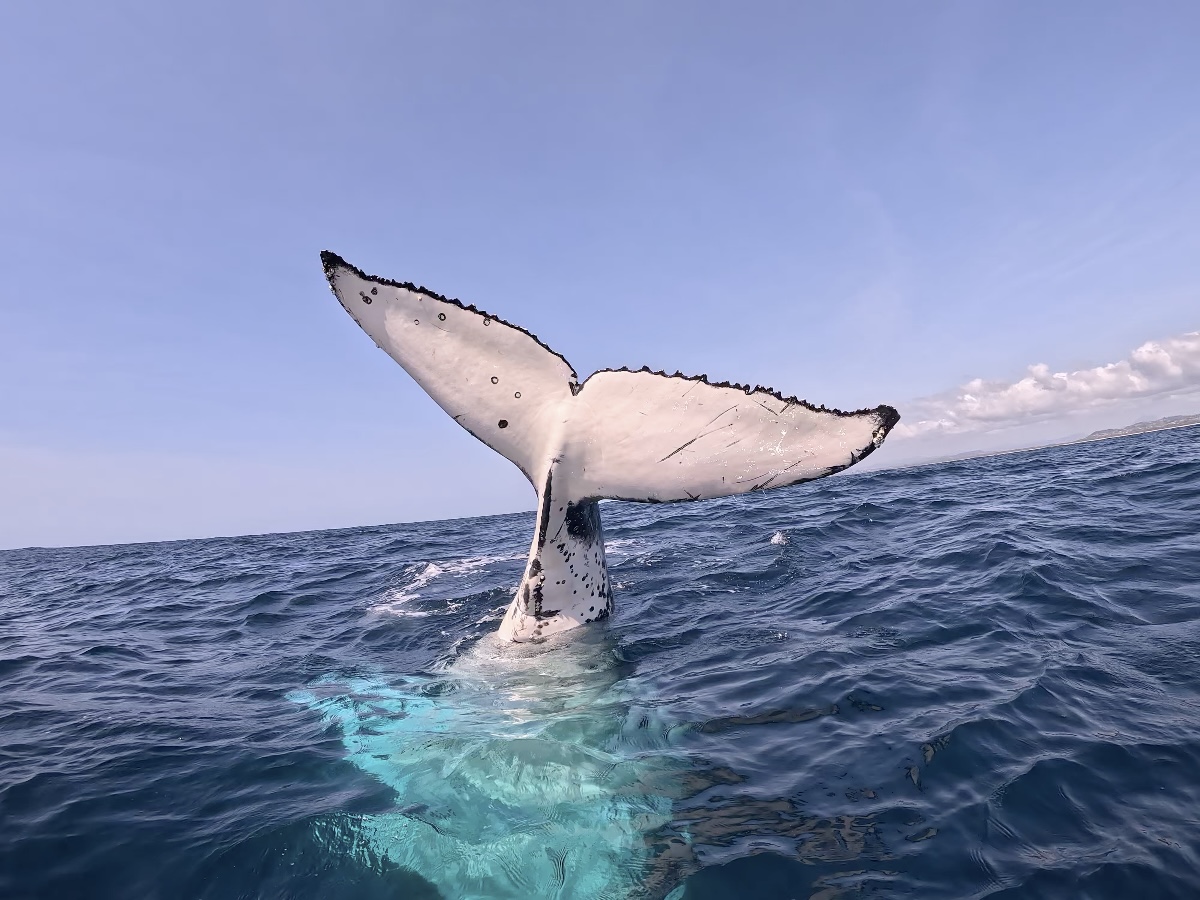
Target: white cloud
[[1153, 369]]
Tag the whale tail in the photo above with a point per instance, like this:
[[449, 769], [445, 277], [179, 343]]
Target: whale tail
[[620, 434]]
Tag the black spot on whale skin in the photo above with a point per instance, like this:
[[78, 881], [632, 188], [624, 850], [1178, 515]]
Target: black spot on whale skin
[[544, 512], [495, 380], [538, 599], [442, 317], [583, 521], [503, 423]]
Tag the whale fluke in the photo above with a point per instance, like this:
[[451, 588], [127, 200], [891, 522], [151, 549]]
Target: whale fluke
[[620, 434]]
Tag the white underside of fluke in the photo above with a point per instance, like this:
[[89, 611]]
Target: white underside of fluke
[[643, 435]]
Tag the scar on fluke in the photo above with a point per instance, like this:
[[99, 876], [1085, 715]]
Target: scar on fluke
[[604, 438]]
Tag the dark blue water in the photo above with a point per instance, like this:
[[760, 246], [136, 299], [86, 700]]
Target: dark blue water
[[964, 680]]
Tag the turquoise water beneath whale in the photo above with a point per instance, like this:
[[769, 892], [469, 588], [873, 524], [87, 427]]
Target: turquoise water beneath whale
[[971, 679]]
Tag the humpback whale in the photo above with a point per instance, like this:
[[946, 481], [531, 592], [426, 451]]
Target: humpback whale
[[619, 434]]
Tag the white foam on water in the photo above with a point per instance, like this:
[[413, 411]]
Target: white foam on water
[[779, 538], [622, 547], [495, 615], [395, 600]]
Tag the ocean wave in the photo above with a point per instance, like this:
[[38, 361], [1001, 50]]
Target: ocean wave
[[966, 680]]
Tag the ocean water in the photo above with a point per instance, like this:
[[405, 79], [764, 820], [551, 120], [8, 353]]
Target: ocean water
[[972, 679]]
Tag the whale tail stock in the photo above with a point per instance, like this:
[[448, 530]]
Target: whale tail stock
[[620, 434]]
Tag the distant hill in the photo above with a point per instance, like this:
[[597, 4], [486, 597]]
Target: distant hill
[[1128, 430], [1141, 428]]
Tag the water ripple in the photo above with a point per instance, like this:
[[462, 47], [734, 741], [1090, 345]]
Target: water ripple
[[975, 679]]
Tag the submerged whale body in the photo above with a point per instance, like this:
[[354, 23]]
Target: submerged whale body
[[552, 771], [518, 775], [620, 434]]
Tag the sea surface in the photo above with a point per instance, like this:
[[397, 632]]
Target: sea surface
[[972, 679]]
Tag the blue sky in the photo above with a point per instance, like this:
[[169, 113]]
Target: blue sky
[[856, 203]]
